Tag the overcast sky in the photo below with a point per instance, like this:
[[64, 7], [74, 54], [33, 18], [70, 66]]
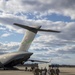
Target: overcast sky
[[50, 14]]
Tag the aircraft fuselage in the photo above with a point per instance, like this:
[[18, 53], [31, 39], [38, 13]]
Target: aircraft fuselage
[[15, 58]]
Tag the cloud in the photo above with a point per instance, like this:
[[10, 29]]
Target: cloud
[[45, 42], [44, 7], [67, 49], [68, 31], [8, 20], [26, 12], [9, 47], [5, 35], [1, 28]]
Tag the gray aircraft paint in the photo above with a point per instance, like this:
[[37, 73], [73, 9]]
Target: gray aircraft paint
[[22, 52], [15, 58], [27, 40], [6, 58]]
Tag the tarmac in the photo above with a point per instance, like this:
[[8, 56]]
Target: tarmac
[[63, 71]]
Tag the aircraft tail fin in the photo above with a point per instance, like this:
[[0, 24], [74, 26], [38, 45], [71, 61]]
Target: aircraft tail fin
[[28, 38], [30, 35]]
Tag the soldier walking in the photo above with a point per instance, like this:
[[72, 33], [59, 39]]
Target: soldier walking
[[57, 71], [36, 71], [52, 72]]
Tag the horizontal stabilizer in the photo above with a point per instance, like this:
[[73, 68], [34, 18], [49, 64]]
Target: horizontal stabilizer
[[33, 28], [23, 26], [49, 30]]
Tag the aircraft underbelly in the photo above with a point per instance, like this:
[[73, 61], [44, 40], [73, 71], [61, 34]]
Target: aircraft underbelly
[[15, 59], [18, 60], [15, 62]]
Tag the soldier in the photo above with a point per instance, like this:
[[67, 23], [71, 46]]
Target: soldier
[[32, 68], [25, 68], [57, 71], [52, 71], [36, 71], [49, 71], [45, 71], [41, 71]]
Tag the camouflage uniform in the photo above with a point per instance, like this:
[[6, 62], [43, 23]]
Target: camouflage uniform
[[36, 71]]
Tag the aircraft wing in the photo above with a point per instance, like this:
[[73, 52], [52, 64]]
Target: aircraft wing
[[38, 61]]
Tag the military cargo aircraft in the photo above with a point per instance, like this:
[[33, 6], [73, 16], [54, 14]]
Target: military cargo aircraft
[[9, 60]]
